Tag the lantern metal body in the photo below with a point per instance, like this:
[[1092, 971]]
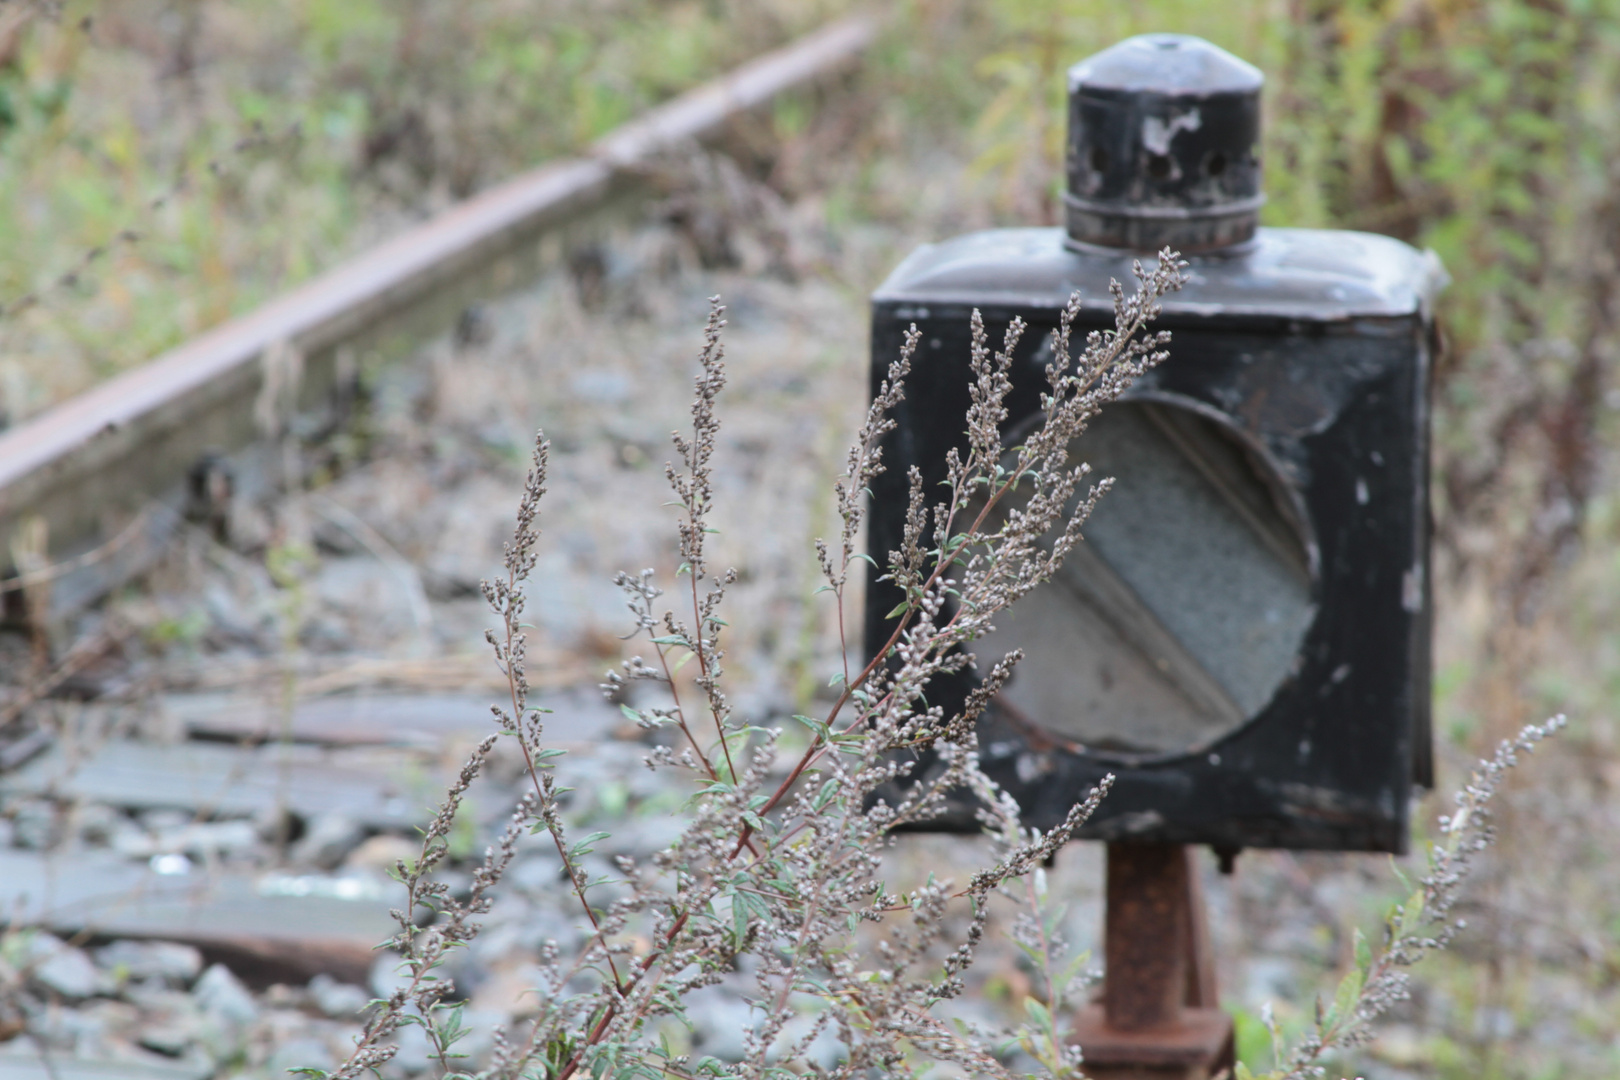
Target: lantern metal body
[[1243, 637]]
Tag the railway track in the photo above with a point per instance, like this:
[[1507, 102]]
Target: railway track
[[91, 490], [240, 797]]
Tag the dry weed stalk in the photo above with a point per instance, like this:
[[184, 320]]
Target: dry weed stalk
[[775, 879], [1412, 929]]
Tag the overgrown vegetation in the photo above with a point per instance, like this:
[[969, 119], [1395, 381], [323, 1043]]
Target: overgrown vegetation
[[164, 165], [1482, 129], [778, 877], [776, 873]]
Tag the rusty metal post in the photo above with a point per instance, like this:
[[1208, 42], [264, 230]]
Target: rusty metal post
[[1157, 1019], [1146, 936]]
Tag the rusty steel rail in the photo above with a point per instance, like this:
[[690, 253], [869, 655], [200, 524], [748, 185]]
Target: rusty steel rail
[[96, 483]]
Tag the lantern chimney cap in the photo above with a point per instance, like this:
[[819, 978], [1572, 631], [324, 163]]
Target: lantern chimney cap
[[1171, 64], [1163, 147]]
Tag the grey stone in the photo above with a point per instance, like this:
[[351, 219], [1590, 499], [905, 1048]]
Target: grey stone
[[414, 1052], [168, 961], [304, 1052], [1494, 1024], [36, 823], [336, 999], [233, 619], [365, 588], [20, 1059], [163, 835], [328, 839], [205, 838], [173, 1023], [602, 387], [1269, 979], [83, 1030], [223, 998], [386, 976], [62, 969], [825, 1050], [130, 839], [643, 836], [97, 822], [720, 1022], [164, 819], [538, 874], [480, 1037], [168, 1038]]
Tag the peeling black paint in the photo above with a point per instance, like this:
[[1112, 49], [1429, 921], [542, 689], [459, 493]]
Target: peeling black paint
[[1314, 345]]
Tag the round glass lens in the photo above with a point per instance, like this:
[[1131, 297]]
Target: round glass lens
[[1176, 619]]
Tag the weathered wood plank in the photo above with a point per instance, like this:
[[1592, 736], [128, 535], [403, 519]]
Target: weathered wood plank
[[257, 924], [18, 1063], [579, 718], [219, 780]]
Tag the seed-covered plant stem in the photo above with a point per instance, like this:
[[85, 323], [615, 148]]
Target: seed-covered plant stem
[[814, 839], [1417, 926]]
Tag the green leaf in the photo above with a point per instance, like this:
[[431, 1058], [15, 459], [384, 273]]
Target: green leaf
[[1400, 875], [899, 609], [1071, 970], [1363, 953], [817, 727], [1344, 1001], [1411, 914], [632, 715]]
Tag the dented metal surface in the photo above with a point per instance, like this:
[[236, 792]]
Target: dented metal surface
[[1310, 348], [1164, 146], [1181, 612], [1243, 634], [1283, 275], [1160, 1006]]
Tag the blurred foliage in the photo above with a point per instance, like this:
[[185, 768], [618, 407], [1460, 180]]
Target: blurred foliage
[[167, 163], [1484, 129], [249, 144], [276, 137], [279, 136]]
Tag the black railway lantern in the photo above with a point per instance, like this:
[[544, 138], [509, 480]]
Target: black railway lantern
[[1243, 637]]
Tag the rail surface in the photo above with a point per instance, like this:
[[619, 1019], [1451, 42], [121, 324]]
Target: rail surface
[[93, 486]]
